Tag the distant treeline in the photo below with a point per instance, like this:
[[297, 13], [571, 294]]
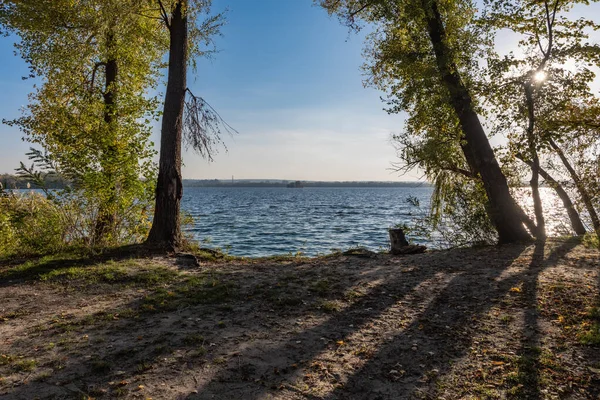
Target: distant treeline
[[17, 182], [54, 182], [284, 183]]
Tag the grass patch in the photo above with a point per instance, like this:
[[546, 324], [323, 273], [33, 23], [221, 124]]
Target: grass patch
[[351, 294], [577, 313], [330, 306], [26, 365], [590, 334], [290, 257], [32, 269], [143, 366], [109, 273], [125, 273], [13, 315], [67, 268], [7, 359], [192, 291], [590, 327], [199, 352], [193, 339], [591, 240], [507, 318], [321, 287]]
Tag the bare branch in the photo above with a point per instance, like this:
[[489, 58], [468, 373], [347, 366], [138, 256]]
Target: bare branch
[[352, 14], [203, 126], [550, 27], [539, 42]]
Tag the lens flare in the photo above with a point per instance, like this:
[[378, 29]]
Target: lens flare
[[539, 76]]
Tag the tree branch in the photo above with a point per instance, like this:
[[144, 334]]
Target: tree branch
[[164, 14], [96, 66], [202, 126]]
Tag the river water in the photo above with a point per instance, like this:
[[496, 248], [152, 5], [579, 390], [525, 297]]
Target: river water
[[267, 221]]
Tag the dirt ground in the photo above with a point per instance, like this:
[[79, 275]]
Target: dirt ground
[[511, 321]]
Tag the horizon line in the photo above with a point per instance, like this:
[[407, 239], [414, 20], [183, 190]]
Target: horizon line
[[295, 180]]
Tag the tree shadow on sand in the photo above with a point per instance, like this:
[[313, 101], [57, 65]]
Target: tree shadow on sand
[[388, 328], [438, 284], [450, 337]]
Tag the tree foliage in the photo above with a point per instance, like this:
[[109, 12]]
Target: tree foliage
[[541, 97], [96, 62], [423, 53]]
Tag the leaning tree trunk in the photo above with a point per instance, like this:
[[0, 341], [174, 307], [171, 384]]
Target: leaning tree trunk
[[585, 196], [166, 230], [574, 217], [507, 217]]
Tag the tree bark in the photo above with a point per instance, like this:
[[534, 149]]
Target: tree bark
[[574, 217], [106, 219], [166, 230], [540, 229], [585, 196], [505, 214]]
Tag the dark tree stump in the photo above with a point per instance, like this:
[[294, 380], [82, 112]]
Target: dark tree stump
[[399, 244], [397, 238]]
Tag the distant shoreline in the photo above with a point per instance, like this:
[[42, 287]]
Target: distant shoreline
[[53, 182], [305, 184]]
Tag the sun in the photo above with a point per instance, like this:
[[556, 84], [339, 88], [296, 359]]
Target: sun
[[539, 76]]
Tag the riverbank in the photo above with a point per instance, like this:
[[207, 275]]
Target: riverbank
[[493, 322]]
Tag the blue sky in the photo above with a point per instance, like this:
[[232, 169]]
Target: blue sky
[[288, 78]]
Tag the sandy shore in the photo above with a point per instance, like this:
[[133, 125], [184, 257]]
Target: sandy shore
[[510, 321]]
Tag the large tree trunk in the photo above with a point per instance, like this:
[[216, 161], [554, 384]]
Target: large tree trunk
[[585, 196], [540, 231], [166, 230], [505, 214], [574, 217]]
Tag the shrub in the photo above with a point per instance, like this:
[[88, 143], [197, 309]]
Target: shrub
[[30, 224]]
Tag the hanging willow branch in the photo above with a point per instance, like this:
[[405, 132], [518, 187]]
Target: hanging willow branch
[[203, 127]]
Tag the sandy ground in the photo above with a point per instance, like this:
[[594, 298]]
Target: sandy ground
[[494, 322]]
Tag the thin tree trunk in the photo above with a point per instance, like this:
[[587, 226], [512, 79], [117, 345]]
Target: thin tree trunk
[[505, 214], [585, 196], [166, 230], [106, 218], [538, 210], [574, 217]]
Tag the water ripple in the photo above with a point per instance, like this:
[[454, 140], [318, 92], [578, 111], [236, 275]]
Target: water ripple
[[266, 221]]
